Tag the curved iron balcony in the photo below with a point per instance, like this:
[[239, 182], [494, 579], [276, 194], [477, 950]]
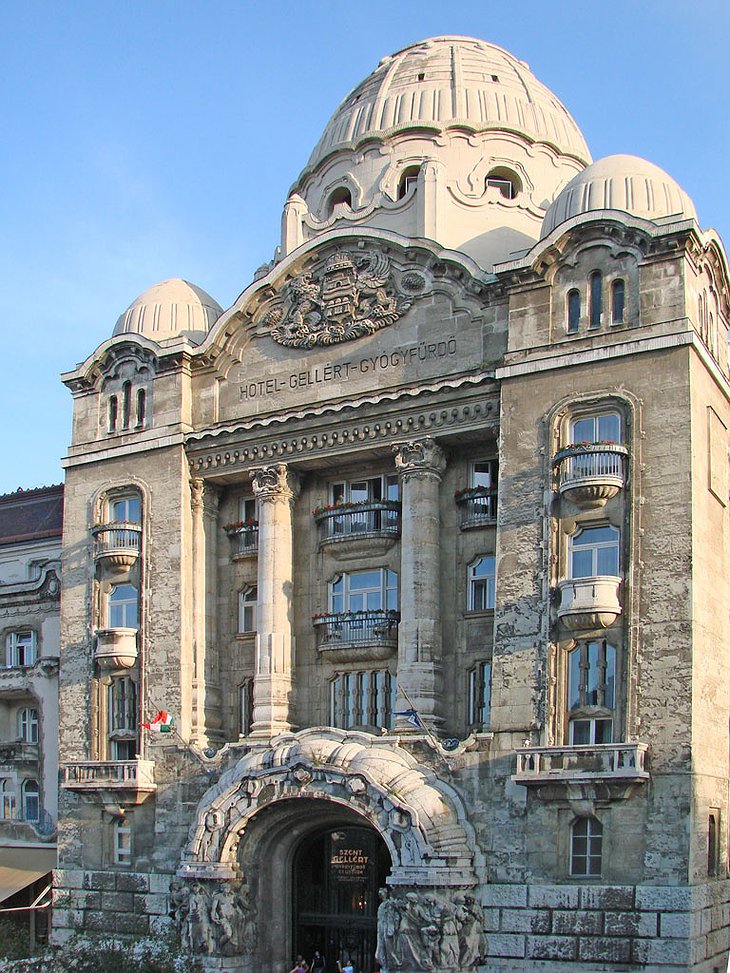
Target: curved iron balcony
[[362, 524], [245, 539], [117, 545], [589, 474], [376, 629], [478, 506], [588, 603]]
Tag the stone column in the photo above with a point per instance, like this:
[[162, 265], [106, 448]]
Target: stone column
[[276, 488], [420, 464], [206, 717]]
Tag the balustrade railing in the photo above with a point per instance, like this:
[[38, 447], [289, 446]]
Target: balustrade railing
[[374, 627], [113, 538], [370, 517], [108, 773], [592, 761]]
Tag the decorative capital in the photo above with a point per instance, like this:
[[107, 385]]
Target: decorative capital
[[197, 492], [276, 482], [419, 457]]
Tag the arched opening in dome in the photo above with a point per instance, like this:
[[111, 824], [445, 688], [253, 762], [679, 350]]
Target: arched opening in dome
[[505, 180], [618, 301], [408, 180], [595, 305], [340, 196]]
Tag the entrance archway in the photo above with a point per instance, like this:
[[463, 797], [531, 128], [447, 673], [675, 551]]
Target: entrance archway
[[335, 882]]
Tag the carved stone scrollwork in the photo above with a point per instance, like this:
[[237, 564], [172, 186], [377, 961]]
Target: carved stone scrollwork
[[419, 457], [213, 918], [435, 931], [347, 297], [276, 482]]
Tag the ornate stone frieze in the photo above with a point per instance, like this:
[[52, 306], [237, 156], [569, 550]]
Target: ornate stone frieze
[[214, 918], [346, 297], [275, 482], [419, 457], [435, 930]]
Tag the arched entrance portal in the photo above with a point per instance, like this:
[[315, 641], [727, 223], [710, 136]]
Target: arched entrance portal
[[336, 877]]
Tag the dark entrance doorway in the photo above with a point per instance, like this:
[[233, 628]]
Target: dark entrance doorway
[[337, 874]]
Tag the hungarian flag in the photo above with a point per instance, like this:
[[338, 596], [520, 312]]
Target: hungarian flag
[[162, 723]]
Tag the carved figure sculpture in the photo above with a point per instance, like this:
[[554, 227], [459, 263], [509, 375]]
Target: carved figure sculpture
[[389, 916], [199, 927]]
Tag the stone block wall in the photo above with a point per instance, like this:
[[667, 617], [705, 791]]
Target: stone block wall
[[587, 928]]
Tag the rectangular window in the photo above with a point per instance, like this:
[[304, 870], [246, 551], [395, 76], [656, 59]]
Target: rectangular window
[[20, 650], [126, 510], [383, 487], [122, 843], [122, 606], [481, 585], [600, 428], [123, 716], [362, 699], [594, 552], [479, 696], [247, 602], [245, 707], [586, 847], [591, 693], [364, 591]]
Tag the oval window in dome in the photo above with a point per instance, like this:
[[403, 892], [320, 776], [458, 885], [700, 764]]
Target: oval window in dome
[[505, 180], [408, 180]]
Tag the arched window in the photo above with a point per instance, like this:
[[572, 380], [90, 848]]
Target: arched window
[[247, 609], [28, 724], [141, 407], [126, 509], [113, 413], [591, 692], [506, 181], [573, 310], [618, 301], [408, 180], [341, 195], [31, 800], [586, 847], [595, 299], [122, 606], [7, 799], [481, 585], [594, 552], [602, 427], [126, 404]]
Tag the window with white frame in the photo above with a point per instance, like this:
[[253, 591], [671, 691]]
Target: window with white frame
[[245, 707], [7, 799], [20, 649], [601, 427], [586, 847], [408, 180], [126, 509], [481, 584], [591, 692], [364, 591], [28, 724], [122, 837], [594, 552], [483, 474], [479, 696], [31, 800], [122, 606], [362, 699], [247, 600], [361, 491]]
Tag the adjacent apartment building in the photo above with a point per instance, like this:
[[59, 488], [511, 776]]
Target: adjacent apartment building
[[30, 589], [415, 561]]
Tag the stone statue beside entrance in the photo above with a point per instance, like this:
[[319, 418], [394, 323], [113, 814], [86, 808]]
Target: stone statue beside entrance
[[434, 930]]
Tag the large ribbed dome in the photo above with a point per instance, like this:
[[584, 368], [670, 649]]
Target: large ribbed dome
[[451, 81], [620, 182], [168, 310]]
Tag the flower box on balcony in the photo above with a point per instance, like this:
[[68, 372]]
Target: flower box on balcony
[[589, 603], [590, 474]]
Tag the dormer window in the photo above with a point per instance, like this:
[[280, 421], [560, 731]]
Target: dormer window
[[408, 180], [340, 197], [504, 180]]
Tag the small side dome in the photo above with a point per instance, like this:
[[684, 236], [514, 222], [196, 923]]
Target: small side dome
[[169, 310], [620, 182]]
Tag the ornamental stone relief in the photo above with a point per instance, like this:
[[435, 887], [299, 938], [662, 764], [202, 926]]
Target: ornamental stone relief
[[349, 296], [435, 931], [213, 918]]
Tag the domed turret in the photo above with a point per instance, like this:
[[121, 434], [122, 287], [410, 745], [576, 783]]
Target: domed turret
[[451, 139], [621, 182], [169, 310]]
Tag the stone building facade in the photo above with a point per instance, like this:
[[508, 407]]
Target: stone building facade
[[422, 544]]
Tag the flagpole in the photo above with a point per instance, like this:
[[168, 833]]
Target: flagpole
[[429, 734], [187, 745]]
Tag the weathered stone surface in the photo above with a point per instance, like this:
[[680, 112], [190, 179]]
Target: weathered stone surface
[[599, 949], [552, 947], [505, 945], [511, 896], [553, 897], [577, 923], [536, 921]]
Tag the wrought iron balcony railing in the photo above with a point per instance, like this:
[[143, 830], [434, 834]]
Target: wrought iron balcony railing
[[538, 765], [117, 544], [478, 506], [363, 628], [589, 474], [371, 517], [245, 539]]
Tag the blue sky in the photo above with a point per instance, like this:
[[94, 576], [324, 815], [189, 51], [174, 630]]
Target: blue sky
[[147, 140]]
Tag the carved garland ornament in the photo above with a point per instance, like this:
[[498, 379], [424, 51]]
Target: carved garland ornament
[[349, 297]]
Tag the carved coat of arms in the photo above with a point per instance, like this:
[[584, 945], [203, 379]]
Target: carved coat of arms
[[350, 296]]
